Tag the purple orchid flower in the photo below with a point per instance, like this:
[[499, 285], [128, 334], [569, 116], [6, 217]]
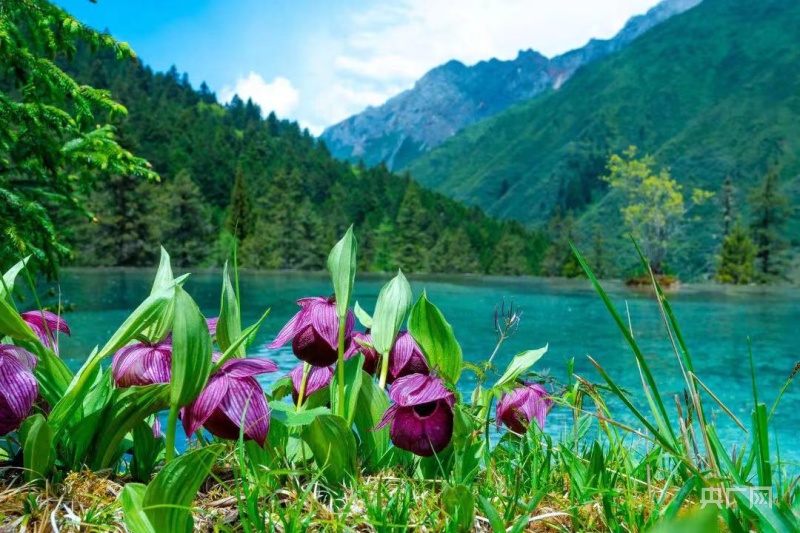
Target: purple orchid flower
[[231, 394], [45, 324], [362, 343], [318, 378], [406, 358], [18, 386], [142, 364], [212, 325], [521, 406], [315, 331], [422, 414]]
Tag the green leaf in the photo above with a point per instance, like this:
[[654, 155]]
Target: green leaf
[[494, 518], [191, 351], [393, 303], [289, 417], [342, 266], [37, 447], [520, 364], [229, 326], [436, 339], [11, 324], [7, 282], [146, 314], [164, 281], [353, 376], [147, 449], [168, 499], [247, 334], [127, 408], [363, 317], [131, 498], [334, 447], [372, 403], [459, 504]]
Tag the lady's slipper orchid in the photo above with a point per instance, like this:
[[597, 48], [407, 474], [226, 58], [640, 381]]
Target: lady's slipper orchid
[[45, 324], [362, 343], [18, 386], [318, 378], [143, 364], [422, 414], [518, 408], [315, 331], [406, 358], [231, 396]]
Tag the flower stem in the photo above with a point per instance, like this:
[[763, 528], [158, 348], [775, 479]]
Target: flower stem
[[340, 364], [384, 370], [172, 427], [303, 382]]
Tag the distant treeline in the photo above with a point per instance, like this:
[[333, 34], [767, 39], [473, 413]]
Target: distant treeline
[[228, 171]]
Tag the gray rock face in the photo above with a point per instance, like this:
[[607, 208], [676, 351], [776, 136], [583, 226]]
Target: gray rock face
[[453, 96]]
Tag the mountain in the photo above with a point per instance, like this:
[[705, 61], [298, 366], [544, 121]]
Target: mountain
[[712, 93], [226, 170], [453, 96]]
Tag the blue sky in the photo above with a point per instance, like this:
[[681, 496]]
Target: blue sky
[[320, 61]]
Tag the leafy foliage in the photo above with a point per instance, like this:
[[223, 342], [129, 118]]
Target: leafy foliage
[[52, 151], [654, 205], [737, 257]]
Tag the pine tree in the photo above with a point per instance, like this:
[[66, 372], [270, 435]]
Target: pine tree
[[185, 228], [770, 209], [123, 230], [507, 257], [559, 260], [737, 257], [51, 150], [240, 221], [453, 253], [413, 240], [728, 205]]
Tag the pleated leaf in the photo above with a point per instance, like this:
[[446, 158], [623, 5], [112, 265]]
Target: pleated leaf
[[435, 337], [191, 351], [131, 497], [168, 499], [127, 408], [229, 326], [391, 309], [342, 266], [353, 377], [334, 447], [37, 447]]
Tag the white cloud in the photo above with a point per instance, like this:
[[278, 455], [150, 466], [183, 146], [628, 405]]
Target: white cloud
[[279, 95], [388, 47]]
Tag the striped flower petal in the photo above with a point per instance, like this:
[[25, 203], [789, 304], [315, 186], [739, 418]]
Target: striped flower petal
[[45, 324], [246, 401], [142, 364], [245, 368], [521, 406], [18, 388], [417, 389], [195, 414], [406, 357], [319, 377]]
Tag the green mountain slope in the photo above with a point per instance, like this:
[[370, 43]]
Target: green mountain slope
[[711, 93], [225, 169]]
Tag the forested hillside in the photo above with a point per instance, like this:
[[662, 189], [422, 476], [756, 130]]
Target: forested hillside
[[712, 94], [227, 171]]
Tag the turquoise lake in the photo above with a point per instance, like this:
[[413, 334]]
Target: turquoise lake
[[567, 315]]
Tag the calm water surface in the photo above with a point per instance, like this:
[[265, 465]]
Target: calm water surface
[[568, 316]]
